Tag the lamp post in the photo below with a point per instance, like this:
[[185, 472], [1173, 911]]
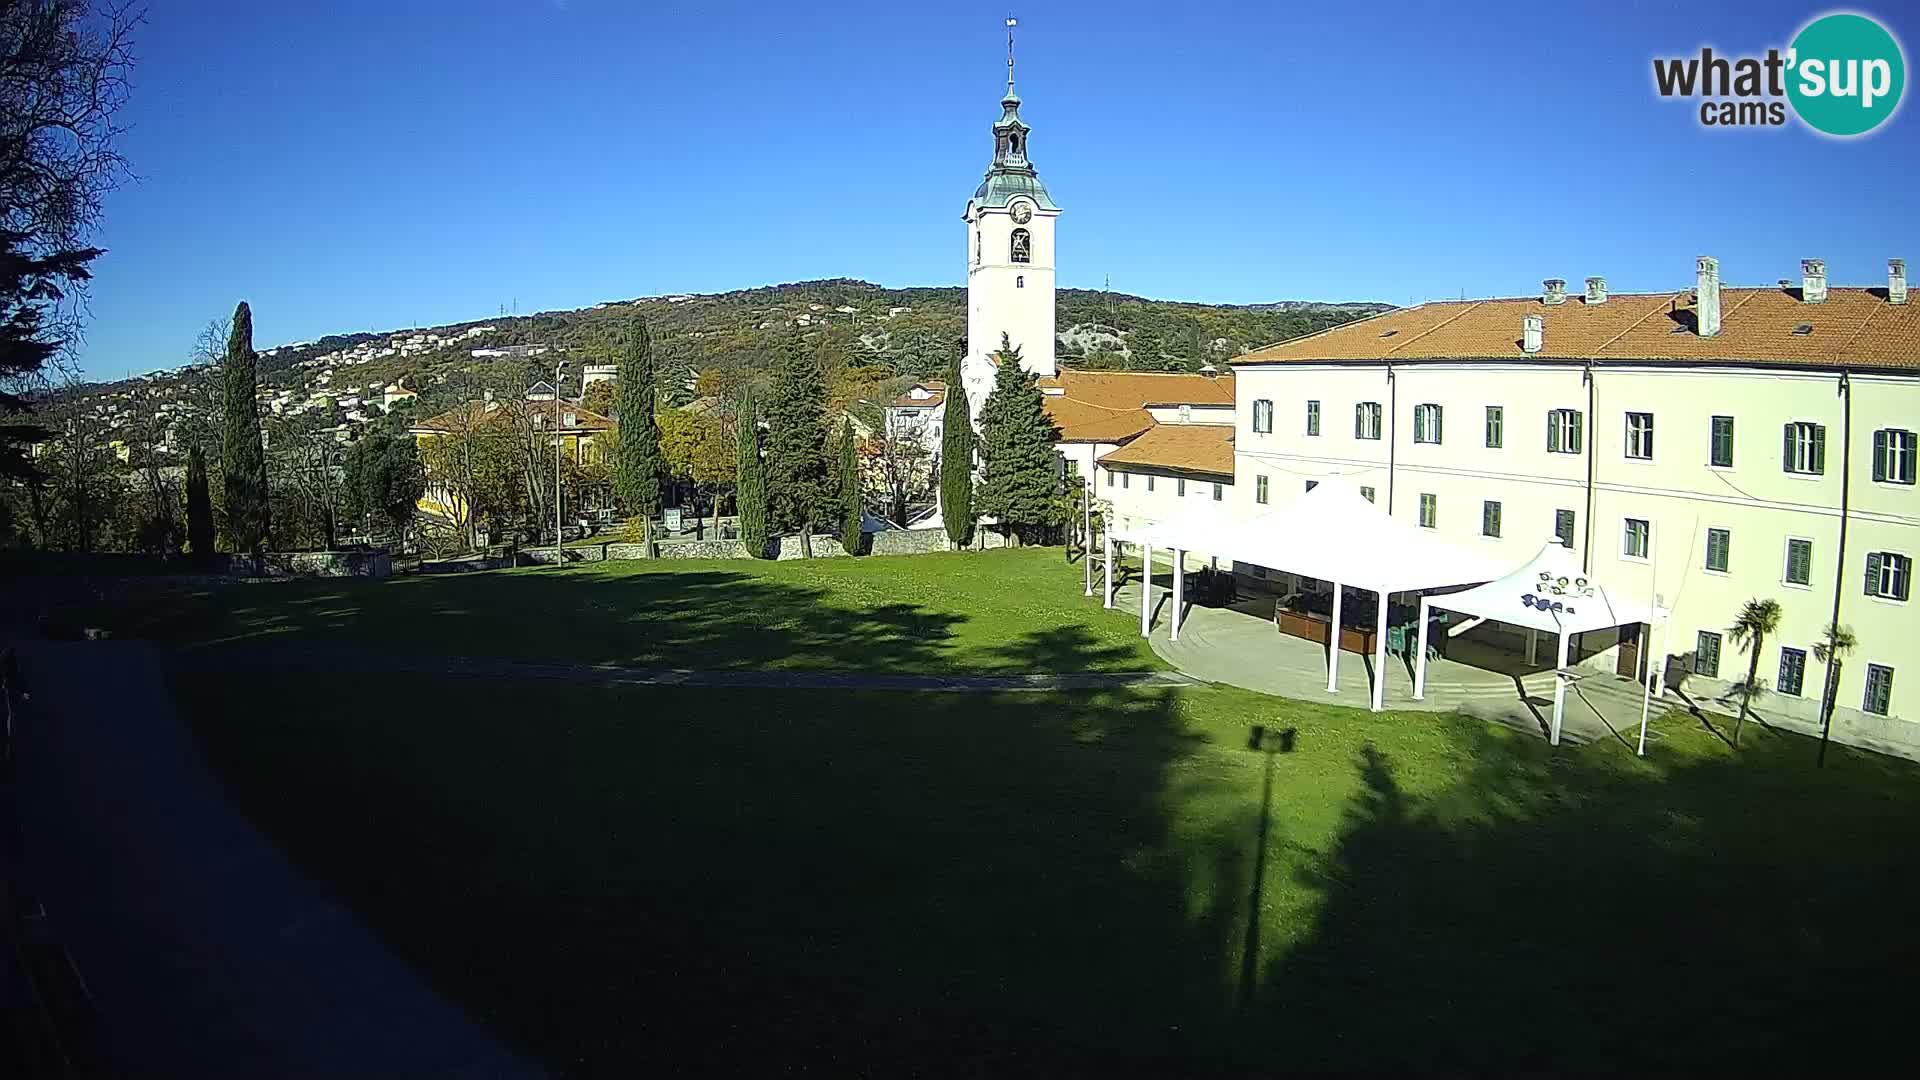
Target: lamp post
[[558, 367]]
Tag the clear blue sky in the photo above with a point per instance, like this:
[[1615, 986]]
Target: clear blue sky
[[355, 165]]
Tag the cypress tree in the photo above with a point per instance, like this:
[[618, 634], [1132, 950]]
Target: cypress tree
[[638, 467], [243, 457], [199, 505], [956, 463], [799, 478], [750, 482], [850, 510], [1017, 482]]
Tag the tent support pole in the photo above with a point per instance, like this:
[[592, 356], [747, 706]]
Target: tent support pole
[[1179, 587], [1146, 589], [1559, 691], [1533, 646], [1333, 642], [1420, 657], [1106, 594], [1380, 654]]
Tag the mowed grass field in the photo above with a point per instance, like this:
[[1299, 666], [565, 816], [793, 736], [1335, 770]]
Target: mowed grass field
[[993, 612], [622, 879]]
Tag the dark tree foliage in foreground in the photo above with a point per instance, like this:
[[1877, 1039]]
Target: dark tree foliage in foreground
[[63, 78], [798, 478], [851, 517]]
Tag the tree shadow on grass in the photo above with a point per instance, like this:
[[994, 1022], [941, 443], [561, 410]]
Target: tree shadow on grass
[[1557, 912], [626, 881]]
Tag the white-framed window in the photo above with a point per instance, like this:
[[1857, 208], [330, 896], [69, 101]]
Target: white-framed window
[[1563, 431], [1640, 436], [1496, 427], [1426, 423], [1879, 695], [1706, 654], [1366, 493], [1889, 575], [1366, 420], [1109, 477], [1720, 443], [1313, 418], [1429, 510], [1563, 527], [1636, 538], [1799, 566], [1022, 246], [1793, 671], [1262, 416], [1718, 541], [1803, 448], [1490, 518], [1260, 490], [1219, 491], [1893, 456]]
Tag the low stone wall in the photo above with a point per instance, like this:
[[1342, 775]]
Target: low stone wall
[[909, 541], [824, 547], [547, 556], [465, 564], [698, 549], [321, 564]]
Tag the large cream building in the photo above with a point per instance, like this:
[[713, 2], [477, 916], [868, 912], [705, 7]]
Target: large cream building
[[1710, 446]]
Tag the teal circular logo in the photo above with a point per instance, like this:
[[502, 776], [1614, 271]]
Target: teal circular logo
[[1846, 74]]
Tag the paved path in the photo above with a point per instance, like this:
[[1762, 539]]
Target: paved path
[[307, 657], [204, 949]]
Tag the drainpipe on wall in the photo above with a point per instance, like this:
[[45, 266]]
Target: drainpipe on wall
[[1393, 435], [1832, 686], [1593, 428]]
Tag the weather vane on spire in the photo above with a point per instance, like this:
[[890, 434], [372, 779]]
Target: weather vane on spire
[[1011, 23]]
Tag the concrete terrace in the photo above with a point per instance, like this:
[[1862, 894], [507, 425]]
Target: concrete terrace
[[1238, 647]]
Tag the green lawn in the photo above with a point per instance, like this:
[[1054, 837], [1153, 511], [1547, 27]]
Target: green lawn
[[984, 612], [642, 879], [619, 879]]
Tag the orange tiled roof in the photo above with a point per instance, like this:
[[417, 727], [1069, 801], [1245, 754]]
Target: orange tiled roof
[[1111, 406], [1189, 448], [1853, 327], [937, 394]]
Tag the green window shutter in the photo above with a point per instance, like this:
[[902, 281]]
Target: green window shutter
[[1880, 454], [1579, 431], [1820, 448], [1437, 418], [1552, 431], [1786, 448], [1358, 412], [1873, 573]]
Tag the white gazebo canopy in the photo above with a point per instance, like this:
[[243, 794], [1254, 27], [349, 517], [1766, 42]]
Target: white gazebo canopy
[[1331, 533], [1551, 594]]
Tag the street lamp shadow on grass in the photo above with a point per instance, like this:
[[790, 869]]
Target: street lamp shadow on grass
[[1272, 744]]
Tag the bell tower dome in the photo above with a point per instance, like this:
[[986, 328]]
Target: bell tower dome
[[1010, 234]]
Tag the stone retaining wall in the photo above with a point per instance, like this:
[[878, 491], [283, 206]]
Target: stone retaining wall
[[692, 549], [321, 564], [909, 541]]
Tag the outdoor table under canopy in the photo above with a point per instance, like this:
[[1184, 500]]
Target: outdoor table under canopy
[[1331, 533]]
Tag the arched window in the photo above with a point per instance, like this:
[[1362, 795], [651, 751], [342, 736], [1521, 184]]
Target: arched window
[[1022, 246]]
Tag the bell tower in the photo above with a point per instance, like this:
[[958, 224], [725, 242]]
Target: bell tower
[[1010, 229]]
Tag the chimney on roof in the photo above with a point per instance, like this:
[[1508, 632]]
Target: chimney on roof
[[1532, 332], [1596, 290], [1896, 281], [1556, 291], [1706, 296], [1813, 281]]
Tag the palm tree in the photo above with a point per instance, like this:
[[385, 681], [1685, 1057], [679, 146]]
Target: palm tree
[[1830, 650], [1758, 619]]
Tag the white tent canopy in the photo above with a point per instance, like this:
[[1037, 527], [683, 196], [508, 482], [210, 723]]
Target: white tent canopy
[[1551, 594], [1331, 533]]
